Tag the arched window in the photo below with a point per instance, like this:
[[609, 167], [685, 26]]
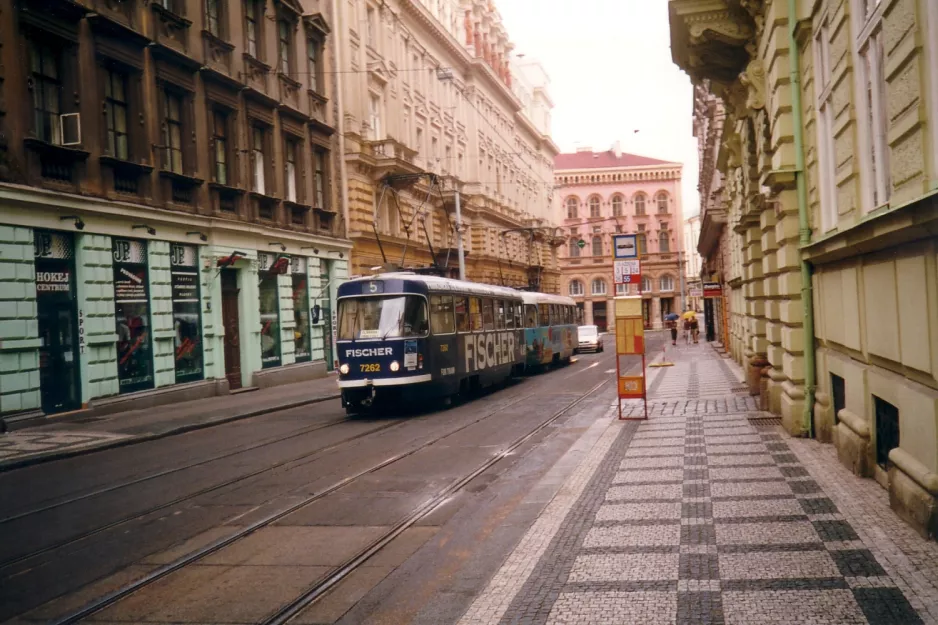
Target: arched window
[[664, 241], [639, 203], [665, 283], [617, 206], [574, 248], [597, 246], [572, 204], [594, 206], [662, 201], [576, 288], [646, 284], [598, 286]]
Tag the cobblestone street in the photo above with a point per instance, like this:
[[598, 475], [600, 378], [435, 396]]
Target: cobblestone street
[[709, 513]]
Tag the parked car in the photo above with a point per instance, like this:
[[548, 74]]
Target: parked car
[[588, 339]]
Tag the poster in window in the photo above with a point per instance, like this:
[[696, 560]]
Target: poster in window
[[187, 313], [301, 312], [132, 311], [270, 320]]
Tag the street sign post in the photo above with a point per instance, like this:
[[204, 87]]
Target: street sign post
[[630, 323]]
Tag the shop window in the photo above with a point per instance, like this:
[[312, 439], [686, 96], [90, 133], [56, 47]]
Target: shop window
[[462, 314], [270, 318], [187, 313], [300, 281], [132, 311], [838, 395], [442, 320], [887, 430]]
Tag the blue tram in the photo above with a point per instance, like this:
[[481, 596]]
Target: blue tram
[[550, 333], [408, 337]]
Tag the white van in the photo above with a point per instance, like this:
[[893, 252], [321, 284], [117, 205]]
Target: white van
[[588, 339]]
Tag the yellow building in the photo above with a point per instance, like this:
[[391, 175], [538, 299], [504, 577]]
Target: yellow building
[[828, 176], [434, 106]]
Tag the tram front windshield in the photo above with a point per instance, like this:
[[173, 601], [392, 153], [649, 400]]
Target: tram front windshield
[[391, 317]]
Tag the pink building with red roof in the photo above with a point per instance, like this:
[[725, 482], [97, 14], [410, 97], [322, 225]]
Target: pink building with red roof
[[598, 194]]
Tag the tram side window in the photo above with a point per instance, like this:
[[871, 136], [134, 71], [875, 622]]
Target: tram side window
[[499, 314], [509, 315], [475, 313], [566, 315], [519, 316], [441, 314], [543, 311], [530, 316], [462, 314], [488, 314]]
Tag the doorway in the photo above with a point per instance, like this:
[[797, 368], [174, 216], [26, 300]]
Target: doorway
[[599, 316], [59, 382], [232, 323]]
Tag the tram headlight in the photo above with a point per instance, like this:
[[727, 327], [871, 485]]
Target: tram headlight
[[344, 369], [395, 366]]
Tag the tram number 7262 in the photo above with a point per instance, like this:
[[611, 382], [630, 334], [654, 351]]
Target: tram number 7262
[[370, 368]]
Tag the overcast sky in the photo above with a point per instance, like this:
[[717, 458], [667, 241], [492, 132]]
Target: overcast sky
[[611, 73]]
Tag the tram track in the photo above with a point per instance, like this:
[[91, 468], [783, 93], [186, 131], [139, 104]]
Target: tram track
[[74, 540], [320, 588]]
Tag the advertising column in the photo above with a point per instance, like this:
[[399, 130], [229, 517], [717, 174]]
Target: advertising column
[[132, 309], [187, 313]]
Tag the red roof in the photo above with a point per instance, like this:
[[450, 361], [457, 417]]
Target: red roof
[[598, 160]]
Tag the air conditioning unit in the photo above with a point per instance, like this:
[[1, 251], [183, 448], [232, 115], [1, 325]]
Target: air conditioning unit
[[70, 128]]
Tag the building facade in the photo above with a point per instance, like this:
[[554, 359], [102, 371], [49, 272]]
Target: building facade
[[829, 193], [435, 110], [691, 263], [599, 194], [168, 218]]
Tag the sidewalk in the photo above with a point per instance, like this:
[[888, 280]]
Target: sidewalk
[[69, 438], [709, 513]]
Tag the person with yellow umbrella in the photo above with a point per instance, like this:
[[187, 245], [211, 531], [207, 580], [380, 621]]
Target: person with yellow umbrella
[[691, 326]]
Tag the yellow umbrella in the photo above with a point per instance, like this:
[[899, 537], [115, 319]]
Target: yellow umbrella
[[690, 315]]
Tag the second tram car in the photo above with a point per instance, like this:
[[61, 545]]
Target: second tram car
[[549, 329], [408, 337]]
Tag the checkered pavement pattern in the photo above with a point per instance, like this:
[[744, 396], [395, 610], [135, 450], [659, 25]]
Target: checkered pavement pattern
[[702, 516], [18, 445]]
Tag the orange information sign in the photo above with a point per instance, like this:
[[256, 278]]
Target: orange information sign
[[631, 387], [630, 336]]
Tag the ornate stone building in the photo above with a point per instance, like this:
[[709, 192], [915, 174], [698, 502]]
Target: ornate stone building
[[827, 152], [433, 105], [604, 193], [168, 225]]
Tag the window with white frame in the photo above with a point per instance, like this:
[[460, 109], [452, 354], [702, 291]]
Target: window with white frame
[[374, 114], [666, 283], [871, 60], [646, 285], [598, 286], [576, 288], [597, 246], [594, 206], [617, 206], [622, 289], [639, 204], [824, 94], [572, 205], [575, 247], [664, 241], [662, 201]]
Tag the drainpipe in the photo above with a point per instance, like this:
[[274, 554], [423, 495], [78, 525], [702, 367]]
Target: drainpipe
[[804, 229]]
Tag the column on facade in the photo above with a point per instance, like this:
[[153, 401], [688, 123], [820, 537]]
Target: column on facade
[[588, 312], [656, 312], [790, 319], [755, 307]]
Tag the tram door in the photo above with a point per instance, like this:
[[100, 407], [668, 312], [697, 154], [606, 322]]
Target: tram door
[[327, 324]]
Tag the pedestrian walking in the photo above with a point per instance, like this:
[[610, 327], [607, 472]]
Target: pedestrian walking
[[671, 319]]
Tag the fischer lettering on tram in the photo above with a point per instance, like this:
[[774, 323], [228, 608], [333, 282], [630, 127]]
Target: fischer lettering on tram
[[369, 352], [489, 350]]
